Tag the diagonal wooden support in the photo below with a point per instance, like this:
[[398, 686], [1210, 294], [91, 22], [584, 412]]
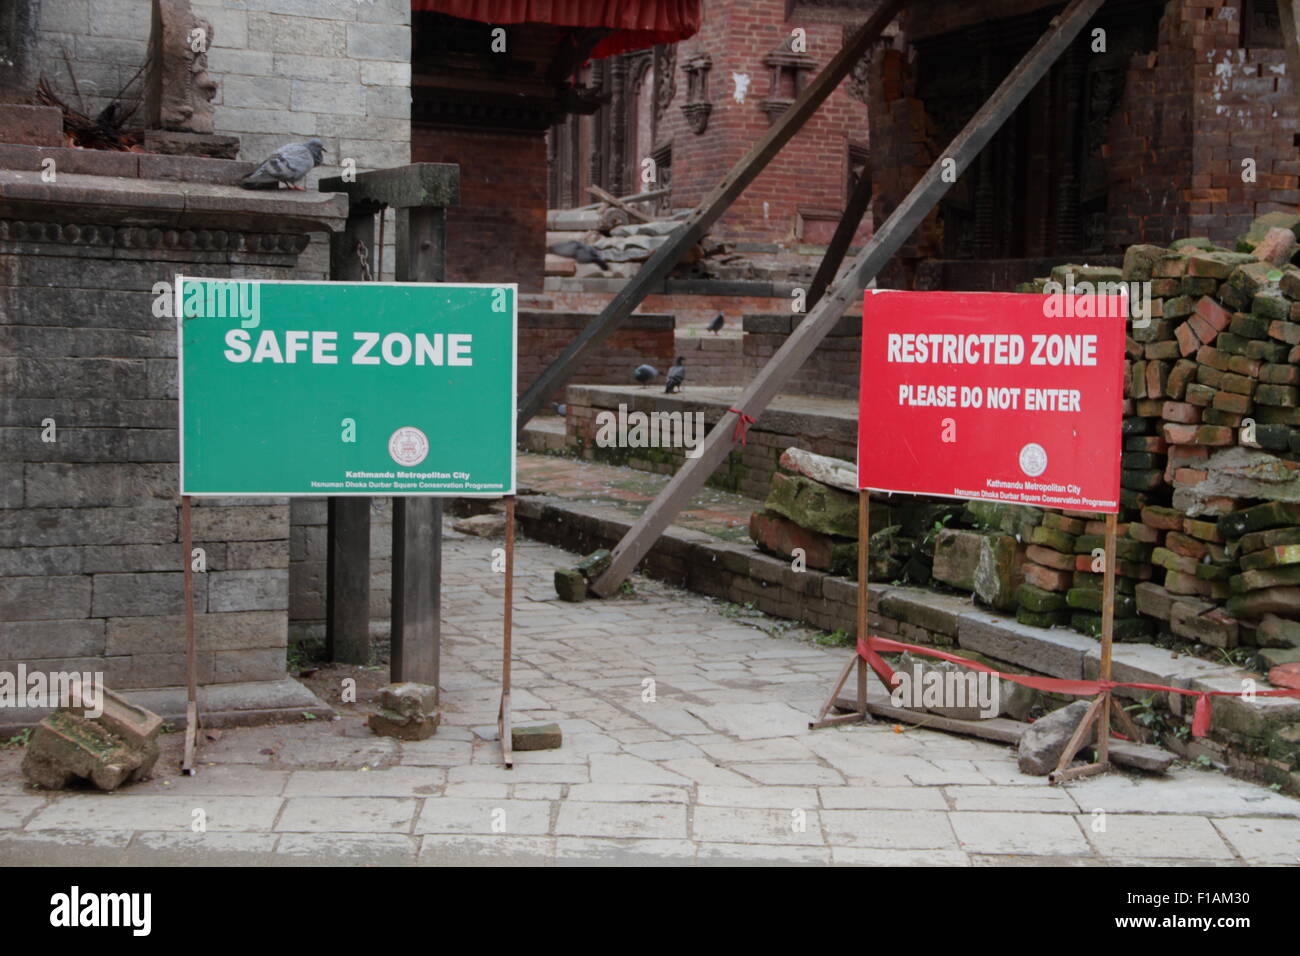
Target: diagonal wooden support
[[843, 238], [1288, 13], [692, 229], [822, 318]]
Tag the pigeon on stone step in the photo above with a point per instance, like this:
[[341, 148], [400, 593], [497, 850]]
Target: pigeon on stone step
[[645, 374], [718, 322], [676, 376], [288, 165], [580, 252], [559, 409]]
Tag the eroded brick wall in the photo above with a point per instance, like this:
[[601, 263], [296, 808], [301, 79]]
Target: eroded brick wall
[[497, 232], [809, 177], [642, 339]]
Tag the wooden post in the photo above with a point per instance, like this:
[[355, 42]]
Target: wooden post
[[1100, 710], [191, 644], [1107, 639], [864, 591], [420, 194], [864, 586], [347, 590], [417, 521], [692, 229], [821, 318]]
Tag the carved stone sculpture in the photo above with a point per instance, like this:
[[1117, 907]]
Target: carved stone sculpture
[[178, 89]]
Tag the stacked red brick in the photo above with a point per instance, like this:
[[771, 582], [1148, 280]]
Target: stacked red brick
[[1212, 382]]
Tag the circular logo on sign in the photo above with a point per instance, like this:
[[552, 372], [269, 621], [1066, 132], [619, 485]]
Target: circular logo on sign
[[408, 445], [1033, 460]]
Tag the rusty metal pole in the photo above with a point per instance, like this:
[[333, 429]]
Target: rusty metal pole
[[503, 715], [191, 643]]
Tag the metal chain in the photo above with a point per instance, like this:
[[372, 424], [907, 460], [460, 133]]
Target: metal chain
[[363, 257]]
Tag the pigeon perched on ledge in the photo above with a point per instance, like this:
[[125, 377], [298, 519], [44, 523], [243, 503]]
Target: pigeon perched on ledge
[[288, 165], [718, 322], [579, 252], [676, 376], [645, 374]]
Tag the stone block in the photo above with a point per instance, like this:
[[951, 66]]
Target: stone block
[[570, 585], [116, 747], [490, 525], [813, 505], [138, 595], [536, 737], [1043, 744], [956, 557], [264, 590], [999, 571], [379, 41], [45, 598], [1052, 652]]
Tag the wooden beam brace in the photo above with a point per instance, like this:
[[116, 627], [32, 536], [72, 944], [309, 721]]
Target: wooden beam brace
[[611, 199], [843, 238], [402, 187], [1288, 12], [821, 319], [692, 229]]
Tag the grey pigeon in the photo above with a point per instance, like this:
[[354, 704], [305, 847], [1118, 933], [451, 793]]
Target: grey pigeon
[[676, 376], [579, 251], [559, 409], [288, 164], [718, 322], [645, 373]]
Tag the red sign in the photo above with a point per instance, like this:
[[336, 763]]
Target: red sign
[[1006, 397]]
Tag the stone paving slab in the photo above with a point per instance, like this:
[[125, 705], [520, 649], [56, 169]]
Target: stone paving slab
[[719, 769]]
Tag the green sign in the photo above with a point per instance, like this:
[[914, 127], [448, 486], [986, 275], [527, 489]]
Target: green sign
[[346, 388]]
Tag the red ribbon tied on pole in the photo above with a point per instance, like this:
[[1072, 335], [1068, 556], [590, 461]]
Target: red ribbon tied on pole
[[741, 432]]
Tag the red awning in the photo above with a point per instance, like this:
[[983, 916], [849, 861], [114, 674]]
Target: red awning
[[637, 23]]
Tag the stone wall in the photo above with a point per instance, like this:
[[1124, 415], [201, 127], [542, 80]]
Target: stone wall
[[90, 558], [286, 70], [498, 230]]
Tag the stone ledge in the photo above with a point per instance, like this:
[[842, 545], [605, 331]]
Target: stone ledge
[[1055, 653], [220, 705], [160, 202]]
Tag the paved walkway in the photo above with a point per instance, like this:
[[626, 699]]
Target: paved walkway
[[716, 766]]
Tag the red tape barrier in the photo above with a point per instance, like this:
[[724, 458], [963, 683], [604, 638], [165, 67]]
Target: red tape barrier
[[871, 649]]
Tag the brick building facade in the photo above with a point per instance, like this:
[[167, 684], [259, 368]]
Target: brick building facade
[[695, 108], [1177, 119]]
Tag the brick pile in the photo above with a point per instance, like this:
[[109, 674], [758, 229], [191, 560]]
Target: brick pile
[[1212, 385]]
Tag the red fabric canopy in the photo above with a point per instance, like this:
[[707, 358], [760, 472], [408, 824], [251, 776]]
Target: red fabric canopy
[[637, 23]]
